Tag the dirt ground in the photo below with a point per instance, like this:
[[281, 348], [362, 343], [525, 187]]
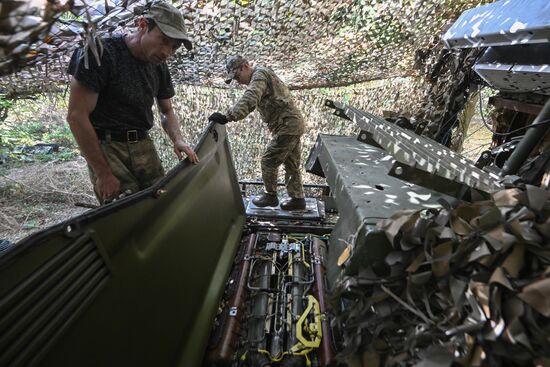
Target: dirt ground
[[34, 196]]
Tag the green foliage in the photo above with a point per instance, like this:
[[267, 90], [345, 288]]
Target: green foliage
[[67, 16], [63, 155], [61, 135], [34, 121], [5, 103], [31, 133], [487, 109]]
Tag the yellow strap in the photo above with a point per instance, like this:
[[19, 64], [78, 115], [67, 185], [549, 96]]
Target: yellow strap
[[271, 358], [304, 346], [314, 329]]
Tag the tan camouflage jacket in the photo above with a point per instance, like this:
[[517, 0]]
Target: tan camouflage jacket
[[275, 104]]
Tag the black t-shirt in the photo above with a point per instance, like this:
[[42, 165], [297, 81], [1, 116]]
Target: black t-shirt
[[127, 87]]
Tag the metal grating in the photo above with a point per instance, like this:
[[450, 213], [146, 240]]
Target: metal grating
[[522, 68], [34, 314], [311, 212], [420, 152], [501, 23]]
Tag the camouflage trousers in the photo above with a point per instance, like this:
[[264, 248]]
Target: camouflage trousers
[[136, 165], [283, 149]]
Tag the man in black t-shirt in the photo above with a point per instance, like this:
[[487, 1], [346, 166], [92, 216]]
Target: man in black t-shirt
[[110, 104]]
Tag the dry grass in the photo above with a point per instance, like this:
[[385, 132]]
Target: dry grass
[[36, 196], [478, 139]]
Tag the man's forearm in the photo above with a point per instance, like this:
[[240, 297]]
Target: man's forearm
[[248, 101], [86, 138], [171, 125], [242, 108]]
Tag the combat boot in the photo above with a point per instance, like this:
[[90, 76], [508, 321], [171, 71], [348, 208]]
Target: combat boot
[[266, 200], [294, 204]]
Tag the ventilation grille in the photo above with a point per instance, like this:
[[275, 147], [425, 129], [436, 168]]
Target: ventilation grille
[[35, 313]]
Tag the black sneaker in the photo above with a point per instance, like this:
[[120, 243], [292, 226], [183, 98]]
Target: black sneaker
[[266, 200], [294, 204]]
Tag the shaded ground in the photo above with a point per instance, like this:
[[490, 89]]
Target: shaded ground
[[38, 195]]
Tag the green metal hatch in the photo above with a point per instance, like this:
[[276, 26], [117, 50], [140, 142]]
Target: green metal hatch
[[133, 283]]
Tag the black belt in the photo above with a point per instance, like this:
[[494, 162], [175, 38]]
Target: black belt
[[125, 136]]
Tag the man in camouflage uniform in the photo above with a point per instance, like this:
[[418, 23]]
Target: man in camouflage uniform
[[285, 122]]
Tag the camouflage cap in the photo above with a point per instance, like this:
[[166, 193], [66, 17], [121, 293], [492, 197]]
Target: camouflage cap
[[231, 65], [170, 22]]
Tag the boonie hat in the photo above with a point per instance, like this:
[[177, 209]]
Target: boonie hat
[[170, 22]]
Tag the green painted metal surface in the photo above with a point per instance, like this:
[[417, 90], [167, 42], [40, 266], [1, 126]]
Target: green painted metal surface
[[134, 283]]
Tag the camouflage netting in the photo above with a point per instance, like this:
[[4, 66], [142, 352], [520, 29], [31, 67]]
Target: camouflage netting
[[309, 43], [448, 74], [465, 285], [249, 137]]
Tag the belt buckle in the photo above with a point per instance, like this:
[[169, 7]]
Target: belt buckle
[[132, 136]]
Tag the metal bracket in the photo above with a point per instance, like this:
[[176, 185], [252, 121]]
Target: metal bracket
[[421, 152], [316, 260], [337, 111], [434, 182], [366, 137], [283, 246]]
